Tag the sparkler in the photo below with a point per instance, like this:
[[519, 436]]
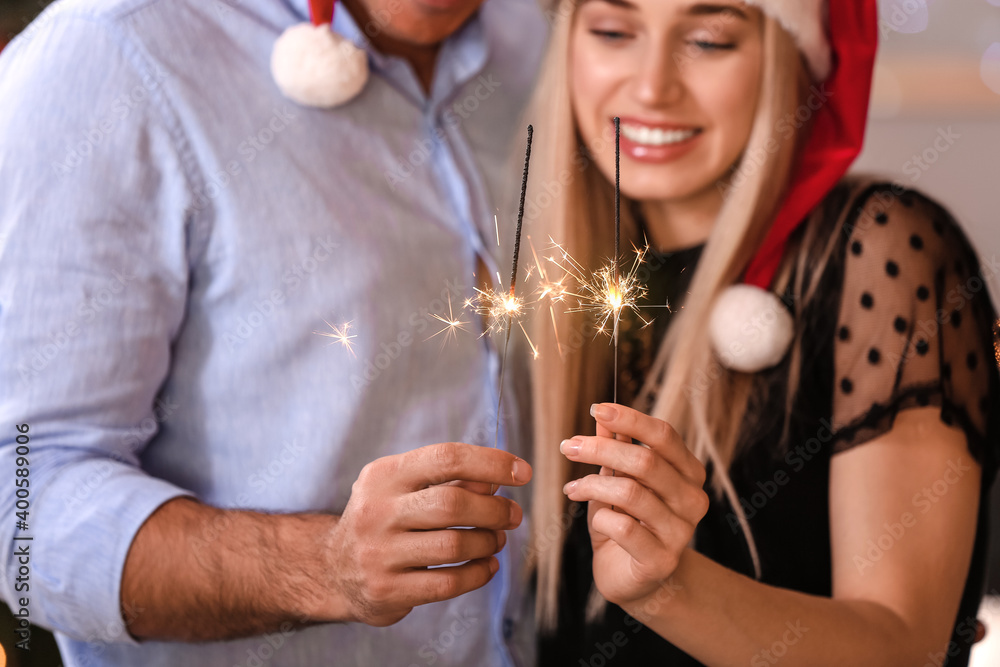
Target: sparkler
[[498, 308], [615, 291], [607, 292], [513, 305], [502, 309]]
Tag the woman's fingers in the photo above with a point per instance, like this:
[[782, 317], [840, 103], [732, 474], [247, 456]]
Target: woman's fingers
[[594, 506], [635, 460], [604, 432], [635, 539], [655, 433], [645, 465], [631, 497]]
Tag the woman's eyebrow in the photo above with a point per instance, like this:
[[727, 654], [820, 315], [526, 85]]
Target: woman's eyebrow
[[703, 9], [698, 9]]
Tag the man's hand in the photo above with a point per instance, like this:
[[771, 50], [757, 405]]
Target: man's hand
[[401, 520], [199, 573]]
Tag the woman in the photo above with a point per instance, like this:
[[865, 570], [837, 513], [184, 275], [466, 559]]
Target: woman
[[827, 509]]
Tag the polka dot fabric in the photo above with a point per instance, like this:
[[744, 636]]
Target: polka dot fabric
[[916, 326], [897, 317]]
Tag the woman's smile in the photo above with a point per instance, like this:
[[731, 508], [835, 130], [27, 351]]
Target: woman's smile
[[657, 142]]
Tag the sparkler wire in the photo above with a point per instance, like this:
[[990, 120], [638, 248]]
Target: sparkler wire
[[618, 232], [513, 280], [618, 193]]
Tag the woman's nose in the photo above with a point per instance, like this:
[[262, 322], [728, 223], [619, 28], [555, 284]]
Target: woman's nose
[[659, 80]]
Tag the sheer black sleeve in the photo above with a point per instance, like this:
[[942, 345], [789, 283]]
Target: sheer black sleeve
[[916, 325]]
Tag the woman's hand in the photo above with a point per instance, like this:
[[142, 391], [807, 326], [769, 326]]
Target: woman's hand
[[643, 518]]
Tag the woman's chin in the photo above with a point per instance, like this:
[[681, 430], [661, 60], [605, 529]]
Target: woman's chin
[[661, 191]]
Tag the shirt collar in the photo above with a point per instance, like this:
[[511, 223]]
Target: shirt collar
[[463, 55]]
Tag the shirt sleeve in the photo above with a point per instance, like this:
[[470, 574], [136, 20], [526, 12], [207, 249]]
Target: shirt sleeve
[[94, 244], [916, 325]]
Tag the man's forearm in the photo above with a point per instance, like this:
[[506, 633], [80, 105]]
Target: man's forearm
[[198, 573]]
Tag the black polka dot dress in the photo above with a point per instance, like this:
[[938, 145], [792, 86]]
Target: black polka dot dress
[[902, 319]]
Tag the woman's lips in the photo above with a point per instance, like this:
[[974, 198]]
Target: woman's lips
[[657, 143]]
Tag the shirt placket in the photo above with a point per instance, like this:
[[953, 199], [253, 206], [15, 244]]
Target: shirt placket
[[466, 196]]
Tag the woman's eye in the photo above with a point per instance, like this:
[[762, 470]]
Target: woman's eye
[[713, 46], [609, 35]]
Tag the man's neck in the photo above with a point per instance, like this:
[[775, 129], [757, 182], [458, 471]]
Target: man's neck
[[421, 58]]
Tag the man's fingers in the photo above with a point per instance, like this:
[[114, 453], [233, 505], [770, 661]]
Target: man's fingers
[[481, 488], [450, 461], [447, 506], [444, 547], [426, 586]]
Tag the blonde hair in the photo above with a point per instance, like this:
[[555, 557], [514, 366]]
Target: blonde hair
[[573, 368]]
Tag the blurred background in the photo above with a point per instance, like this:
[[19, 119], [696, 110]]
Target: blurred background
[[935, 125], [938, 75]]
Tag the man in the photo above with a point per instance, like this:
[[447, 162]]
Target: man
[[174, 235]]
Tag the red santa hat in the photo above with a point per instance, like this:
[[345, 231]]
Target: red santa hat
[[838, 40], [314, 66]]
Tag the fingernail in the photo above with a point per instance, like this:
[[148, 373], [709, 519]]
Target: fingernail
[[520, 471], [494, 565], [570, 487], [501, 540], [605, 413], [570, 447], [515, 515]]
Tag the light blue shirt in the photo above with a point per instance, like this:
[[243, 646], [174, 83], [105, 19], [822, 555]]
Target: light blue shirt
[[173, 235]]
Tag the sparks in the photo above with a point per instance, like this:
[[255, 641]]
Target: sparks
[[602, 293], [341, 335], [552, 291], [996, 344], [497, 308], [549, 291], [451, 325]]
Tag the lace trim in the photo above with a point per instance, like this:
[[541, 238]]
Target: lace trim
[[880, 418]]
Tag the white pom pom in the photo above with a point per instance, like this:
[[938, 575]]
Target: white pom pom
[[316, 67], [750, 328]]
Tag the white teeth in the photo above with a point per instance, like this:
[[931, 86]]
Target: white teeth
[[641, 134]]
